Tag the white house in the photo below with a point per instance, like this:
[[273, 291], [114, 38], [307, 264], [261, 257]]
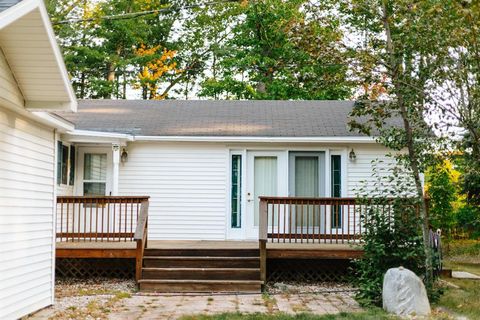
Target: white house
[[33, 82], [205, 163]]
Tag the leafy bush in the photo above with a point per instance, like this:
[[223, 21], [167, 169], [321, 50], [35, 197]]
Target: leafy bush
[[468, 220], [391, 237]]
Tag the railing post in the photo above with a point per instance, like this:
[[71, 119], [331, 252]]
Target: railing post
[[262, 239]]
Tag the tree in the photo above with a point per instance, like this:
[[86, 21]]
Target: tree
[[279, 50], [401, 52], [440, 188]]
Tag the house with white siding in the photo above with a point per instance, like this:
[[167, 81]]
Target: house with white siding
[[33, 83], [205, 163]]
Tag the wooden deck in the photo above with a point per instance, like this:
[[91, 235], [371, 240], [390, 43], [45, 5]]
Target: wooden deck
[[127, 249]]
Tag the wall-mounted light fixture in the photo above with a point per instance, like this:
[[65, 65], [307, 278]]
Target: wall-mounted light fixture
[[124, 156], [352, 155]]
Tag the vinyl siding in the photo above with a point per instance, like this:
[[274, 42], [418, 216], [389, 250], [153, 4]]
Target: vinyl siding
[[187, 186], [359, 172], [26, 215], [10, 94]]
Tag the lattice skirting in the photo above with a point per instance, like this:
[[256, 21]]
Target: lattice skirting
[[308, 271], [92, 268]]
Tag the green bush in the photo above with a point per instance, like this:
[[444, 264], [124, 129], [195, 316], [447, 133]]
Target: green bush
[[389, 241], [468, 220]]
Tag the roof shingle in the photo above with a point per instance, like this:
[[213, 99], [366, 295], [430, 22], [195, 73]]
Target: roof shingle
[[214, 118]]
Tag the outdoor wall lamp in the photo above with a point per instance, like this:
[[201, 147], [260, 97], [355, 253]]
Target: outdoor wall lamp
[[352, 155], [124, 156]]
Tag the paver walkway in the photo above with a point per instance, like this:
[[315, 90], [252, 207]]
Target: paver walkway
[[174, 306]]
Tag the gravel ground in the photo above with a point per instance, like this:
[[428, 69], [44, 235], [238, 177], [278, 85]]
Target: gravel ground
[[306, 288], [97, 286]]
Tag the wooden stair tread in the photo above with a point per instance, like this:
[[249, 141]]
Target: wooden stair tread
[[197, 258], [255, 282], [199, 269]]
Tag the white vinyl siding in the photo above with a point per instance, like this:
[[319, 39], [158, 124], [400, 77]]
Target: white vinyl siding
[[186, 185], [10, 94], [27, 158], [362, 167]]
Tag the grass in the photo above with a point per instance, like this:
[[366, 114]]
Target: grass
[[465, 256], [372, 314]]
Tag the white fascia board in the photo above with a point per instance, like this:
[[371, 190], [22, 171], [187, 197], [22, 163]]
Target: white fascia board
[[72, 105], [346, 139], [221, 139], [58, 123], [100, 134]]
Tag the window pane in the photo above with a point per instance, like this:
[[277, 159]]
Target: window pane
[[95, 167], [236, 191], [94, 188]]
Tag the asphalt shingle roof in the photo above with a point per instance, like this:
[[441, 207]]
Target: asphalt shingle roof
[[5, 4], [214, 118]]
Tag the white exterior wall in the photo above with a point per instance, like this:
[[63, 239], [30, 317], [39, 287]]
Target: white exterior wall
[[188, 183], [187, 188], [361, 168], [27, 159]]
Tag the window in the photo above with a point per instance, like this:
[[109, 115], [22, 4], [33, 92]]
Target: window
[[236, 191], [336, 180], [94, 174], [65, 163]]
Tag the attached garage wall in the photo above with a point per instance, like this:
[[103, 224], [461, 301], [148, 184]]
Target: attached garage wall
[[187, 186], [27, 157]]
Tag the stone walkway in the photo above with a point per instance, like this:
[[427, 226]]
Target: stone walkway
[[174, 306]]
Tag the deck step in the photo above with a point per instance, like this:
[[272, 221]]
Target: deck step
[[200, 262], [222, 252], [201, 273], [199, 286]]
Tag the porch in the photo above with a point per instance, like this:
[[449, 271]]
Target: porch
[[289, 228]]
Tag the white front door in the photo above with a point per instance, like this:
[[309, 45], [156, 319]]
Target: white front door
[[267, 175], [95, 172]]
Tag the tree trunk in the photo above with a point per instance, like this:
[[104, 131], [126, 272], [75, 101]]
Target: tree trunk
[[395, 72]]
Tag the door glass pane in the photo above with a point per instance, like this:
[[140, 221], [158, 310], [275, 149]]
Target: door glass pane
[[235, 196], [306, 176], [306, 185], [265, 181], [94, 188], [336, 178], [95, 167]]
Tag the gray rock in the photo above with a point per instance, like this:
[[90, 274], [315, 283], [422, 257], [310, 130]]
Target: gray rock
[[404, 293]]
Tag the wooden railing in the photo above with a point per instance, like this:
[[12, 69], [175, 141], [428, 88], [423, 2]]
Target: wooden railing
[[140, 237], [109, 218], [319, 220]]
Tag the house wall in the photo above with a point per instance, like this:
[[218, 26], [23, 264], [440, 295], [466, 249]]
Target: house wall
[[27, 159], [10, 95], [188, 182], [187, 186]]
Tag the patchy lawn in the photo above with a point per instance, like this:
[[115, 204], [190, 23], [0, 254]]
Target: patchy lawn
[[372, 314], [461, 297]]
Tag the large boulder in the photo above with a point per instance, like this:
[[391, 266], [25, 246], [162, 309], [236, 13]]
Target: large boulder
[[404, 293]]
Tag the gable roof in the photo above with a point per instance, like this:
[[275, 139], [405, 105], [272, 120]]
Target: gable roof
[[251, 118], [30, 48]]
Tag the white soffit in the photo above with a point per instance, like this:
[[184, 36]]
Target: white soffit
[[28, 43]]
